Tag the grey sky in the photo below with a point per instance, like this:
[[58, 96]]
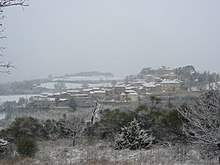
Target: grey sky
[[120, 36]]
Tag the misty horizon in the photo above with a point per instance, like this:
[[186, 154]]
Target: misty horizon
[[79, 74]]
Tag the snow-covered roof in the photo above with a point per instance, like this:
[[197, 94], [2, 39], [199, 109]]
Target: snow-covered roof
[[123, 94], [150, 85], [50, 94], [119, 86], [138, 81], [130, 91], [51, 99], [170, 82], [43, 96], [81, 95], [56, 94], [73, 91], [95, 88], [63, 99], [86, 90], [97, 92], [129, 87], [47, 94]]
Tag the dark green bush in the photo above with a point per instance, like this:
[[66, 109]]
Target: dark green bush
[[165, 124], [110, 124], [27, 146], [49, 129], [22, 126]]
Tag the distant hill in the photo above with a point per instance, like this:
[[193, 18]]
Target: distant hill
[[94, 73], [29, 86], [89, 74]]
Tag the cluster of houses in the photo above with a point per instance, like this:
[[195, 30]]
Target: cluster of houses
[[164, 81]]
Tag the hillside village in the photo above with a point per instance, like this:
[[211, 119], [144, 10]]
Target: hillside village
[[131, 90], [92, 106], [164, 81]]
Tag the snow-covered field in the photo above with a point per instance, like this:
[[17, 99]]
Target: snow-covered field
[[61, 152], [73, 85], [77, 81], [89, 78], [67, 85]]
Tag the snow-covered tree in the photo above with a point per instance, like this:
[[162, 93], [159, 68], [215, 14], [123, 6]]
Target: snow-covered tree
[[4, 67], [5, 148], [133, 137], [203, 122]]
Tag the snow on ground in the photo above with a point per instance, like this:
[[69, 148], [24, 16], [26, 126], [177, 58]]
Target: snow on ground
[[61, 152], [89, 78], [95, 81], [73, 85], [212, 86], [47, 85]]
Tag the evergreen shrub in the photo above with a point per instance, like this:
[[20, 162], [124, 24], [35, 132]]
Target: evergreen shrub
[[133, 137], [27, 146]]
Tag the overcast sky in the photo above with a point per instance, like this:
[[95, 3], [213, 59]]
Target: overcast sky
[[118, 36]]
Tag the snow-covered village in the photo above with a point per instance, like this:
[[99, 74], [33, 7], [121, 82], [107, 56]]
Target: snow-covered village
[[137, 119], [109, 82]]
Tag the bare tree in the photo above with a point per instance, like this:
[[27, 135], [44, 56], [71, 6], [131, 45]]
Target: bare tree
[[95, 112], [3, 4], [71, 128], [202, 124], [7, 3]]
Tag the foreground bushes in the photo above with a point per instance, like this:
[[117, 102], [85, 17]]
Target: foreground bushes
[[110, 124], [27, 146], [24, 133], [20, 127], [165, 124], [49, 129]]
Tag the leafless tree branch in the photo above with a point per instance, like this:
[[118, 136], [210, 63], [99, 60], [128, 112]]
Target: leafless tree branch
[[8, 65], [8, 3], [204, 120], [3, 4]]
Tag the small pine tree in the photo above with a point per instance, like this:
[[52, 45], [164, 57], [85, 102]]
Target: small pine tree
[[133, 137], [72, 104], [27, 146]]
